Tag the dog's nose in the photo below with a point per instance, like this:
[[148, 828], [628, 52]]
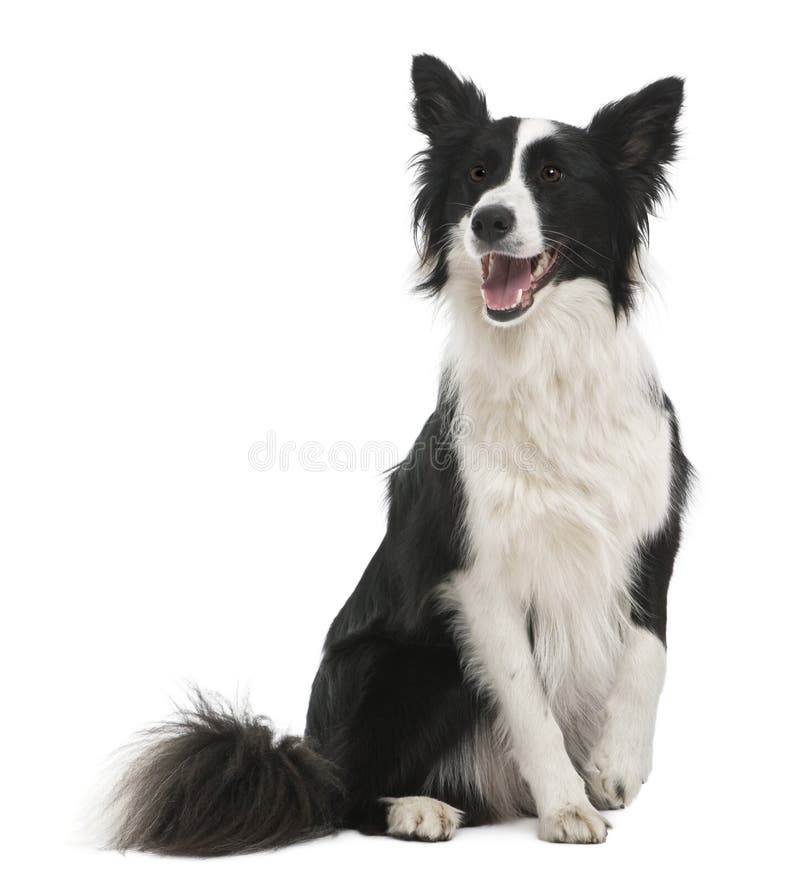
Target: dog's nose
[[492, 223]]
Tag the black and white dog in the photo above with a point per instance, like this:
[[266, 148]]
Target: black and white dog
[[504, 651]]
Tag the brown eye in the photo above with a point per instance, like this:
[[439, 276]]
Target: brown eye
[[477, 173], [550, 173]]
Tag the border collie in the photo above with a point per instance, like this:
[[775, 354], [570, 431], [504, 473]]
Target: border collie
[[504, 651]]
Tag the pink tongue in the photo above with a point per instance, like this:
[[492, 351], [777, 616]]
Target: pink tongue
[[506, 277]]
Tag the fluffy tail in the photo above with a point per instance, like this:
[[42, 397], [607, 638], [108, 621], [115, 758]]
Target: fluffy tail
[[217, 781]]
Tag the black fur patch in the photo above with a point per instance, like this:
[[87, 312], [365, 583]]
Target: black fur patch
[[217, 781], [653, 570], [390, 696]]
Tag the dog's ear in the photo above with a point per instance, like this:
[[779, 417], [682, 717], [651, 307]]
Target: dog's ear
[[639, 135], [441, 99]]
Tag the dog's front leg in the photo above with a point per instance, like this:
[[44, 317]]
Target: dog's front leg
[[623, 756], [499, 655]]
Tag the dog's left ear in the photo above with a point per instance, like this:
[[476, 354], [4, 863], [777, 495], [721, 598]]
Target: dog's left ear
[[639, 135], [442, 100]]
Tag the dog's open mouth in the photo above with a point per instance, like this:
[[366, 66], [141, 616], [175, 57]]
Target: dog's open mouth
[[509, 284]]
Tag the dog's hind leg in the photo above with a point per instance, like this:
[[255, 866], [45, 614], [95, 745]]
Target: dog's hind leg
[[421, 818], [386, 711]]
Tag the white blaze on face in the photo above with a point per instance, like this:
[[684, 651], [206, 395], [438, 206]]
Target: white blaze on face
[[526, 238]]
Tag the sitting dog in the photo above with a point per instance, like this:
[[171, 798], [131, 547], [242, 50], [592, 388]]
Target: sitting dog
[[504, 651]]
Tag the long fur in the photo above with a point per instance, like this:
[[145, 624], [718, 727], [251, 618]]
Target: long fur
[[215, 780], [504, 650]]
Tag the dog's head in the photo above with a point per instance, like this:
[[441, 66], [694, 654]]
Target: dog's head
[[513, 207]]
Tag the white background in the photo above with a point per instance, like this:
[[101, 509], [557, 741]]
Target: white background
[[204, 237]]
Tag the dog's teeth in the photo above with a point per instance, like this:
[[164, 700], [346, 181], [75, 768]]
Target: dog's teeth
[[520, 293], [542, 263]]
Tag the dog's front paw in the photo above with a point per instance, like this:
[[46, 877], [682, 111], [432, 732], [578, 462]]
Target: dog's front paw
[[615, 774], [577, 822]]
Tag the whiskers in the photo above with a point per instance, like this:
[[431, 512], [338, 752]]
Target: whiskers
[[576, 252], [429, 242], [561, 235], [567, 253]]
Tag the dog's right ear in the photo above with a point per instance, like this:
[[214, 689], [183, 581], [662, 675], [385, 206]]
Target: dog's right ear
[[442, 100]]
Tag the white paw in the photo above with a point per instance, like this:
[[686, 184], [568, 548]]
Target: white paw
[[578, 823], [422, 818], [616, 772]]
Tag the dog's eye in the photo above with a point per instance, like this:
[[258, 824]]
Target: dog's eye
[[550, 173], [477, 173]]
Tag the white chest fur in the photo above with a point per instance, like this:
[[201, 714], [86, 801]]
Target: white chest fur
[[564, 455]]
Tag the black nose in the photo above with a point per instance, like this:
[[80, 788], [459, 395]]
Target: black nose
[[492, 223]]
